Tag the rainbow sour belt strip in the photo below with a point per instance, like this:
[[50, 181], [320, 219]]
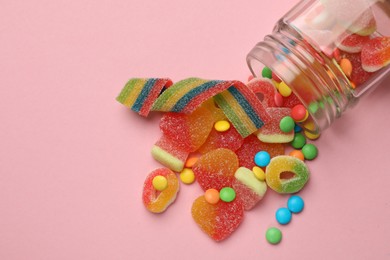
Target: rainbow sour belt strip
[[240, 105]]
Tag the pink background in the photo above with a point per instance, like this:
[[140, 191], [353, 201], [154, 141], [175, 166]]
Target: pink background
[[73, 160]]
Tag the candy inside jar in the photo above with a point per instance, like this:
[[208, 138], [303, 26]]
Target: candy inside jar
[[329, 53]]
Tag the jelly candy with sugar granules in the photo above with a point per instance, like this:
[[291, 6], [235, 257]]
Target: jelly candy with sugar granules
[[155, 201], [264, 89], [358, 75], [271, 132], [169, 154], [248, 188], [281, 165], [139, 93], [376, 54], [218, 220], [229, 139], [188, 131], [353, 43], [253, 145], [215, 169]]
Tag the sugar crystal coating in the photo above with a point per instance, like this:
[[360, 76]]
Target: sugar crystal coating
[[253, 145], [216, 169], [280, 165], [249, 189], [229, 139], [271, 132], [218, 220], [158, 202]]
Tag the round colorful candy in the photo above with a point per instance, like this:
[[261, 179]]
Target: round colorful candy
[[283, 216], [299, 113], [262, 158], [266, 73], [295, 204], [299, 141], [298, 154], [278, 99], [222, 126], [227, 194], [310, 151], [284, 90], [187, 176], [259, 173], [212, 196], [297, 128], [273, 235], [160, 183], [278, 166], [287, 124]]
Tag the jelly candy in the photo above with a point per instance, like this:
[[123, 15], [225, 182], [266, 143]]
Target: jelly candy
[[242, 107], [155, 201], [188, 131], [376, 54], [358, 74], [216, 169], [271, 132], [229, 139], [218, 220], [264, 89], [282, 166], [169, 154], [139, 94], [291, 101], [353, 43], [364, 25], [248, 188], [251, 146]]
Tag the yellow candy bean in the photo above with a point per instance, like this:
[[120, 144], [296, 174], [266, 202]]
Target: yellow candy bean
[[259, 173], [222, 126], [187, 176], [284, 90], [160, 183]]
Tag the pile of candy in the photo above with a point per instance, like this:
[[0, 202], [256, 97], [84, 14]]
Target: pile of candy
[[229, 137]]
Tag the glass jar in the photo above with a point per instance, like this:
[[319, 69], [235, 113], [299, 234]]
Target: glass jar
[[314, 46]]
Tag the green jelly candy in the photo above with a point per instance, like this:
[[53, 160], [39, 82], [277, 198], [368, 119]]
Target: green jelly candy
[[287, 124], [299, 141], [310, 151], [266, 73], [273, 235], [227, 194]]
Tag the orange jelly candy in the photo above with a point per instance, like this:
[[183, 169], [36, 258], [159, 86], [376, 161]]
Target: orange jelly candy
[[216, 169], [154, 200], [218, 220]]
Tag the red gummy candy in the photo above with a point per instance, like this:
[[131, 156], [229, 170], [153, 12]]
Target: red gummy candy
[[253, 145], [229, 139], [358, 75], [376, 54], [218, 220], [264, 89], [353, 43], [216, 169], [188, 131]]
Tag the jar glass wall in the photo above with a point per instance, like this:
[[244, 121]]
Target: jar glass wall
[[329, 52]]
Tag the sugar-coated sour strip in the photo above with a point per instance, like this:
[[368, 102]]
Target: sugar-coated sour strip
[[139, 94]]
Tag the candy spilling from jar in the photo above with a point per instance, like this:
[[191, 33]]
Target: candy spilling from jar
[[235, 140]]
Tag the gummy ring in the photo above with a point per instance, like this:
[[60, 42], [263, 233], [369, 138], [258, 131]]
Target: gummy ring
[[286, 164], [154, 200]]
